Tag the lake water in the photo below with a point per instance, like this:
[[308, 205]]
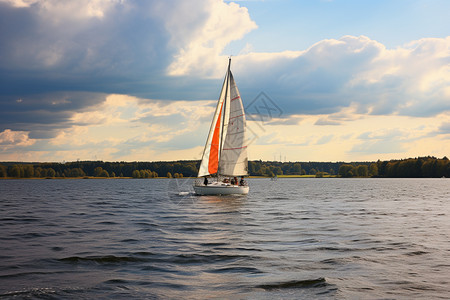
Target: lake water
[[287, 239]]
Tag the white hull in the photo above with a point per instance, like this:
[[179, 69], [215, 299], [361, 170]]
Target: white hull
[[220, 189]]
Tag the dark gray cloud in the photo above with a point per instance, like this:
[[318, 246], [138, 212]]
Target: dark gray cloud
[[50, 44], [44, 114], [444, 128], [55, 62]]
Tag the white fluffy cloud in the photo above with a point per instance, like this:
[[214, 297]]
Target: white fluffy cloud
[[14, 138], [200, 50], [413, 79], [19, 3]]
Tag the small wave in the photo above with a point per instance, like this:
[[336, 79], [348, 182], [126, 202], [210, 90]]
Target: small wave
[[30, 235], [246, 270], [148, 224], [201, 258], [248, 249], [277, 198], [44, 293], [332, 261], [337, 249], [37, 292], [194, 229], [102, 259], [106, 223], [311, 283], [116, 281], [154, 268], [27, 219], [144, 253], [129, 241], [343, 260], [22, 274], [213, 244], [414, 253]]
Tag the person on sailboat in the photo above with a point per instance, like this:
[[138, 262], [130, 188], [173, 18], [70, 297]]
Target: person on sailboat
[[205, 182], [242, 181]]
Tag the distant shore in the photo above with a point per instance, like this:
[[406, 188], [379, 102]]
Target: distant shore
[[94, 177], [419, 167]]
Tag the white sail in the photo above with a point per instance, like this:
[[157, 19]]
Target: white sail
[[211, 152], [225, 151], [233, 157]]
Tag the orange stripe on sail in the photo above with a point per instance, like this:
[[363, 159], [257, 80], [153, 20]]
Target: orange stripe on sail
[[213, 164]]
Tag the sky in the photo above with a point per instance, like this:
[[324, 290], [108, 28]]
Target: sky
[[129, 80]]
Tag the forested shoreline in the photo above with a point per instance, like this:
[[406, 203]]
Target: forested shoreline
[[421, 167]]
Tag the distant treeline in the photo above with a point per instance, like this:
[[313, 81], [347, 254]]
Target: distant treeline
[[428, 167], [421, 167], [99, 169], [412, 167]]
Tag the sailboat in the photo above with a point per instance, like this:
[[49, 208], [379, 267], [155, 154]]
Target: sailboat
[[225, 154]]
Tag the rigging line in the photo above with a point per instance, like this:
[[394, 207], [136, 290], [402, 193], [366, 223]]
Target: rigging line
[[234, 133], [205, 150], [224, 111], [236, 117], [235, 148]]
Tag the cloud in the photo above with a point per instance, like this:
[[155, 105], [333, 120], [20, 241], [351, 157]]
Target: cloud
[[358, 72], [325, 139], [136, 48], [383, 141], [444, 128], [42, 114], [59, 59], [19, 3], [122, 123], [379, 147], [200, 49], [76, 41], [289, 120], [346, 114], [115, 42], [326, 121], [14, 138], [125, 74]]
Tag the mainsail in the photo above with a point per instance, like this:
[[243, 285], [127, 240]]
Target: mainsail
[[233, 159], [225, 151]]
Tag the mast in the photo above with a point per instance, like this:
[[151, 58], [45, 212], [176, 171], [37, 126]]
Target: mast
[[224, 110], [233, 158], [216, 126]]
